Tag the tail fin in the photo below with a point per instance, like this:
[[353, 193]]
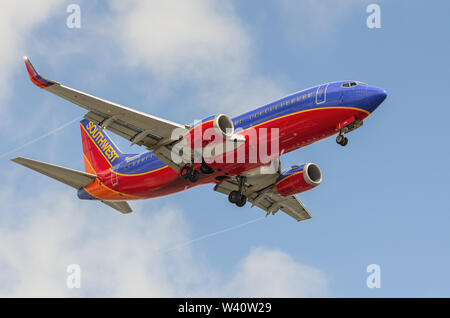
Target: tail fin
[[100, 153]]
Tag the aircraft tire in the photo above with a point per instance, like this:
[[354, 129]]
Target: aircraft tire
[[242, 201], [193, 176], [234, 197]]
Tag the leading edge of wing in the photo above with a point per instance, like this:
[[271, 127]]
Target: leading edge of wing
[[35, 77]]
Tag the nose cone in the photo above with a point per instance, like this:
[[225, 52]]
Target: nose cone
[[375, 96]]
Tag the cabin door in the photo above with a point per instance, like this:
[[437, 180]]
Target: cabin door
[[321, 94]]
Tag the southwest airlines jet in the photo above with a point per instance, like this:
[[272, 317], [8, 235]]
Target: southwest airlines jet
[[231, 153]]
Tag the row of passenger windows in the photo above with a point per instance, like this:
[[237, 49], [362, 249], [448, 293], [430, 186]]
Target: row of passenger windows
[[136, 162], [276, 107]]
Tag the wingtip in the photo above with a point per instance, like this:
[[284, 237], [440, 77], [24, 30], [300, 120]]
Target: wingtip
[[37, 79]]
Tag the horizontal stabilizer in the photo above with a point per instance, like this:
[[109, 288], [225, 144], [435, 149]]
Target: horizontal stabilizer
[[121, 206], [73, 178]]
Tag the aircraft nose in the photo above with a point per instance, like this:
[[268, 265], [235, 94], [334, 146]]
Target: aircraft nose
[[375, 96]]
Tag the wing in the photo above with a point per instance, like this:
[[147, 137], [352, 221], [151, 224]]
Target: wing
[[268, 200], [138, 127]]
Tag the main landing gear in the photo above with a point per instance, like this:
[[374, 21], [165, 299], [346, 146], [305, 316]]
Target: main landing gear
[[189, 173], [236, 197]]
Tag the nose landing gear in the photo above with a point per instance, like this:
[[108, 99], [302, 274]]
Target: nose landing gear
[[342, 140], [345, 127]]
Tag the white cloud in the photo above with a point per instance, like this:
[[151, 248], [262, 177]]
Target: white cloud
[[314, 19], [126, 255], [191, 38], [17, 21], [273, 273], [201, 43]]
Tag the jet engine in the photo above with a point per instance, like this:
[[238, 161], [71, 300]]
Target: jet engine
[[214, 128], [298, 179]]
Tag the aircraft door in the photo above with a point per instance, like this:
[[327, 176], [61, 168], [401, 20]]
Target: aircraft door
[[114, 177], [321, 94]]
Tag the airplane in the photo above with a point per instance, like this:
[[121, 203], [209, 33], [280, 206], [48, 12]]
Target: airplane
[[293, 122]]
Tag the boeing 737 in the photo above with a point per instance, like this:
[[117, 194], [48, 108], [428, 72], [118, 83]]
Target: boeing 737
[[220, 150]]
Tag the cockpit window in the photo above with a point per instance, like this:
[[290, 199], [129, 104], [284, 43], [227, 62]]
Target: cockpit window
[[351, 84]]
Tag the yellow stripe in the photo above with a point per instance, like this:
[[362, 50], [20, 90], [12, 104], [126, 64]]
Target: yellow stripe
[[304, 111], [125, 194], [118, 192], [102, 184], [201, 123], [137, 174], [121, 193], [284, 179], [96, 145], [91, 194], [89, 163]]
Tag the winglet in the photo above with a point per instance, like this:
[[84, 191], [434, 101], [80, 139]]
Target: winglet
[[37, 79]]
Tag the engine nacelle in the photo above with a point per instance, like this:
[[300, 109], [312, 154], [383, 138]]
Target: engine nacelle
[[298, 179], [214, 128]]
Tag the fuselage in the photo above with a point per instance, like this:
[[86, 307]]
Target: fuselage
[[302, 118]]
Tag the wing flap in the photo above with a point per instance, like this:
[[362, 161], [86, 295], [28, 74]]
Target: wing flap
[[124, 129], [269, 201], [73, 178]]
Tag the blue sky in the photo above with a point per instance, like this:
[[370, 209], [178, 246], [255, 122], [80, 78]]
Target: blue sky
[[383, 199]]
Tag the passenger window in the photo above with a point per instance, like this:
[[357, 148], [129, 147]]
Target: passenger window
[[240, 121], [278, 105], [310, 94], [293, 101], [256, 115], [261, 113], [271, 108], [251, 116], [288, 102], [299, 98], [282, 104], [304, 96], [267, 110]]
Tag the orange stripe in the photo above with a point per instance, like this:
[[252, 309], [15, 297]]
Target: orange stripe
[[100, 191]]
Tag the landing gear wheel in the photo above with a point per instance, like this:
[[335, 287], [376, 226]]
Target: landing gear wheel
[[242, 201], [344, 142], [184, 172], [193, 176], [205, 169], [234, 197]]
